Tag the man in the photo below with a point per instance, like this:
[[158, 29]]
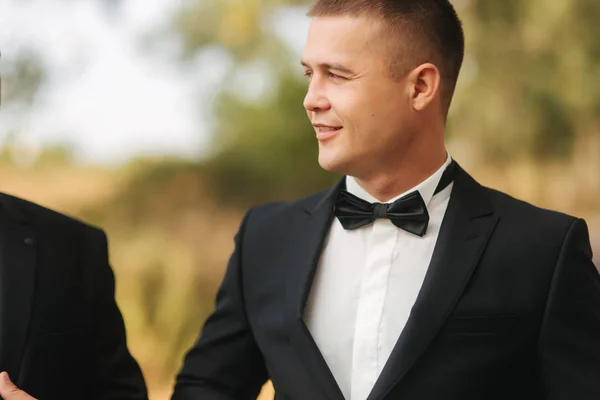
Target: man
[[449, 291], [61, 333]]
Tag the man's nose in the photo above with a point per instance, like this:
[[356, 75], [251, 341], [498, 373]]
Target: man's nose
[[315, 99]]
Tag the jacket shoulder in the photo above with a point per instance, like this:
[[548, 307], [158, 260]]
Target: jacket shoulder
[[43, 217], [528, 216]]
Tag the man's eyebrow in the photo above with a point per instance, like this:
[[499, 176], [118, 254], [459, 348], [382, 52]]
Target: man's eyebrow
[[336, 66]]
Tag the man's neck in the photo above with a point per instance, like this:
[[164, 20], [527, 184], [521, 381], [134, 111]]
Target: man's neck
[[386, 185]]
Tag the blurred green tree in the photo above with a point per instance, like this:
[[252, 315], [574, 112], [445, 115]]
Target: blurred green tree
[[263, 147], [21, 79], [530, 88]]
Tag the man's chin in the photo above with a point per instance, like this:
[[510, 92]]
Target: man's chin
[[332, 164]]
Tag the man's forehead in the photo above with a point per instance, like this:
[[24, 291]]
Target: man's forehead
[[341, 40]]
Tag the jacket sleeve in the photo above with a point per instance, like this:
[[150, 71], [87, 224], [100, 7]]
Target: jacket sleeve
[[225, 362], [115, 373], [569, 343]]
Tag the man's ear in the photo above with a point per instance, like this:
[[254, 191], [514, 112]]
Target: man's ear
[[424, 84]]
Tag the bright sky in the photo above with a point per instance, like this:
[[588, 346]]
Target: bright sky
[[107, 95]]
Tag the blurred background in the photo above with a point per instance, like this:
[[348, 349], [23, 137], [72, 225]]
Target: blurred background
[[163, 121]]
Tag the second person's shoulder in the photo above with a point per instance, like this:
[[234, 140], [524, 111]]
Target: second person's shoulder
[[44, 219]]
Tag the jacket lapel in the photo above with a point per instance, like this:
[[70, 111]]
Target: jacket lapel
[[310, 231], [466, 228], [17, 277]]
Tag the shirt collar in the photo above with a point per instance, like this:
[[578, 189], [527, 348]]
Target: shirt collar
[[425, 188]]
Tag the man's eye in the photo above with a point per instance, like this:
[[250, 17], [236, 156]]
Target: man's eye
[[334, 76], [308, 74]]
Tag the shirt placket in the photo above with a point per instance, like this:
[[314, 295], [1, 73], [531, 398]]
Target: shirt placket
[[366, 347]]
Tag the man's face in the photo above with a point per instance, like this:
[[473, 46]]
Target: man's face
[[360, 115]]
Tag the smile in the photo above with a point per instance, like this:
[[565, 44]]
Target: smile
[[326, 132]]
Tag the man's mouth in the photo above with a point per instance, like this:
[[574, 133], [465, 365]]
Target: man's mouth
[[326, 131]]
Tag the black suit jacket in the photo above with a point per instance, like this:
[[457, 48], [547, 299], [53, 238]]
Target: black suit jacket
[[61, 333], [509, 309]]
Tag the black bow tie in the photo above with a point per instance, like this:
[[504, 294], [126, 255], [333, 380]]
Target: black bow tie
[[408, 212]]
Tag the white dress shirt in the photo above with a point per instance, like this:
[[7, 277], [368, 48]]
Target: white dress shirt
[[366, 284]]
